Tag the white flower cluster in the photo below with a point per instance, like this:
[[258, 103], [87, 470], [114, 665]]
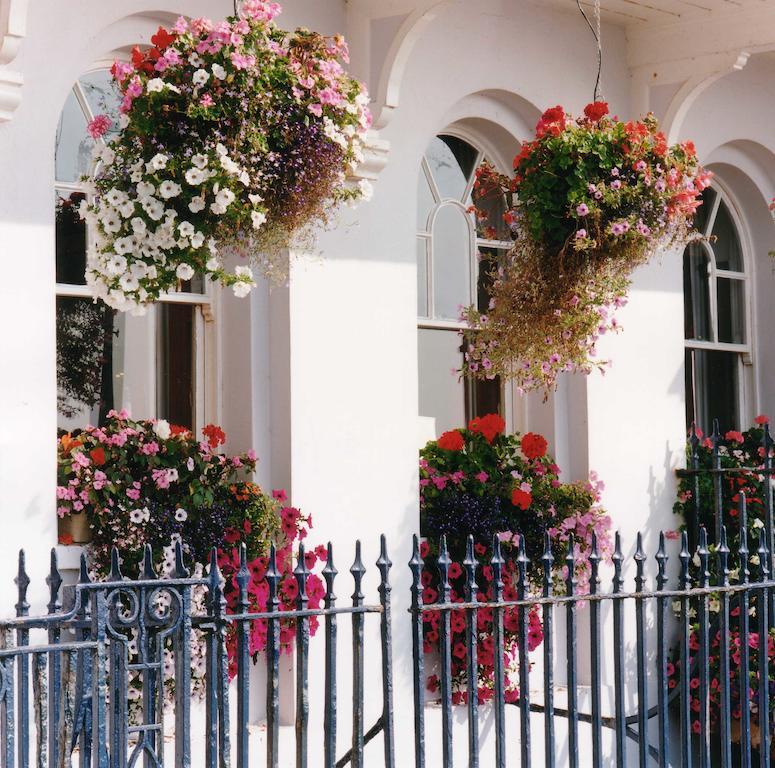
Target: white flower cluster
[[158, 228]]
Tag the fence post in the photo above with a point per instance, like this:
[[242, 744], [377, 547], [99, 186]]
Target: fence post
[[384, 565], [743, 635], [357, 570], [302, 661], [329, 714], [243, 661], [445, 636], [640, 637], [547, 560], [619, 720], [273, 663], [570, 646], [497, 563], [418, 653]]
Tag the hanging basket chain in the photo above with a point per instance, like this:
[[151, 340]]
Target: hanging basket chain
[[596, 31]]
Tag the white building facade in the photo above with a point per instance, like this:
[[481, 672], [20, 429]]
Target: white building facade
[[328, 378]]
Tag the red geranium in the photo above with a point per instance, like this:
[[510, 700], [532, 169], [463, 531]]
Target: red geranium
[[98, 456], [451, 441], [596, 110], [521, 499], [552, 121], [490, 426], [163, 39], [214, 434], [533, 446]]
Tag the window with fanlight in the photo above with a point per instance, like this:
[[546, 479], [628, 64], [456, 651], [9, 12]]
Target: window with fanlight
[[716, 317], [153, 365], [455, 256]]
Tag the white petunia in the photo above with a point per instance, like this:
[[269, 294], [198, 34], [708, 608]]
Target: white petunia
[[138, 225], [168, 189], [201, 76], [124, 245], [111, 222], [221, 150], [154, 208], [123, 121], [115, 265], [155, 85], [244, 177], [197, 204], [225, 197], [219, 71], [162, 429], [128, 282], [115, 197], [217, 209], [197, 240], [145, 189], [107, 155], [158, 162], [184, 271], [255, 199], [258, 218], [181, 515], [186, 228], [213, 265], [200, 161], [195, 176], [126, 209]]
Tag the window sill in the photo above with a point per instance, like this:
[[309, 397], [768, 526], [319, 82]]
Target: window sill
[[69, 556]]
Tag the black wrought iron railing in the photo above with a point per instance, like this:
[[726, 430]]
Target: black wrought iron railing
[[698, 664], [689, 663], [99, 675]]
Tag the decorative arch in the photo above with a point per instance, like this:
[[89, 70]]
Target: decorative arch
[[391, 69], [690, 91]]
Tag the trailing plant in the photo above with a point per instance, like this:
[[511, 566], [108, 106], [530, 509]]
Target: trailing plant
[[482, 482], [235, 136], [590, 200]]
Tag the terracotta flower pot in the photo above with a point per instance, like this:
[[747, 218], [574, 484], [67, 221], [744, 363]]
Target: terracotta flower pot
[[75, 529]]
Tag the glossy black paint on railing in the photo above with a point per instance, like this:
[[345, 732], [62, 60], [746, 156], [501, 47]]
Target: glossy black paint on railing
[[707, 742], [78, 678]]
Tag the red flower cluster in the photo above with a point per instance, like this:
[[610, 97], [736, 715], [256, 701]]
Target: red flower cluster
[[484, 626], [295, 528], [595, 111], [533, 445], [214, 434], [552, 122], [451, 440], [490, 426], [521, 499]]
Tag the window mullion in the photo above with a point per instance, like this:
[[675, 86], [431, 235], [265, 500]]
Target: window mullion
[[467, 192]]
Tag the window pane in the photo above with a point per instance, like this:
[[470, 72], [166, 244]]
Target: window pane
[[70, 233], [89, 362], [422, 277], [442, 394], [726, 245], [491, 202], [425, 201], [488, 263], [102, 96], [731, 315], [451, 162], [176, 363], [701, 216], [696, 293], [73, 144], [712, 389], [451, 262]]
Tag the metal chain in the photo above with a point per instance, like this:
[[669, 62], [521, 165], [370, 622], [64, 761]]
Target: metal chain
[[596, 31]]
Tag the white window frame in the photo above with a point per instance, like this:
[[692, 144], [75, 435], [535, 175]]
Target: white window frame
[[205, 407], [513, 407], [745, 351]]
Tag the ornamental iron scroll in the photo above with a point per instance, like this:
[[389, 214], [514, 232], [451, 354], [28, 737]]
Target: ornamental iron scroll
[[89, 681]]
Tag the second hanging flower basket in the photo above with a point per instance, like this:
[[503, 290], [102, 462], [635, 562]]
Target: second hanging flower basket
[[590, 200]]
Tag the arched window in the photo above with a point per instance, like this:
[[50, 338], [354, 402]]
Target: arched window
[[716, 327], [152, 365], [454, 255]]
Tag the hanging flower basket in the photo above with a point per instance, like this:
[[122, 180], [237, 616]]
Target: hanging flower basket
[[234, 137], [591, 199]]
